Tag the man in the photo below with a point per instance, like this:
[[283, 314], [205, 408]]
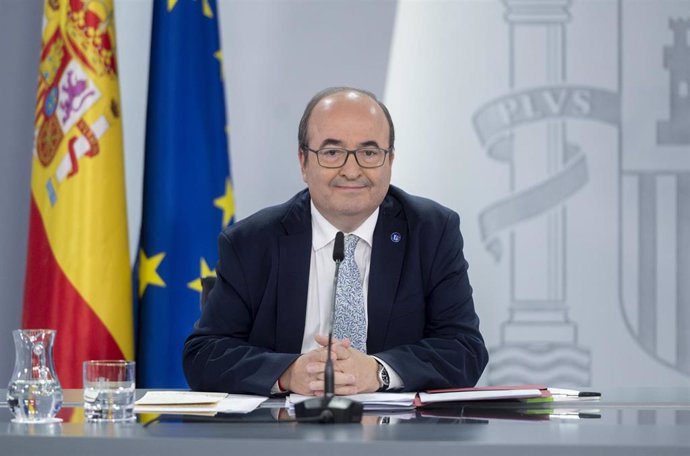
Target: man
[[405, 318]]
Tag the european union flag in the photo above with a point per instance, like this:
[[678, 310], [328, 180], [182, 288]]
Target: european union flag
[[187, 190]]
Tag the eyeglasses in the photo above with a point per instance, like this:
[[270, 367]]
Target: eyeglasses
[[336, 157]]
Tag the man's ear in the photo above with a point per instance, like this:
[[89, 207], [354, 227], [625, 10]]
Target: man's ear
[[302, 163]]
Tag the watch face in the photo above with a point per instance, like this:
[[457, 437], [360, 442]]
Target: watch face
[[384, 379]]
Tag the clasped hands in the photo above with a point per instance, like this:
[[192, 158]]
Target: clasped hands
[[355, 372]]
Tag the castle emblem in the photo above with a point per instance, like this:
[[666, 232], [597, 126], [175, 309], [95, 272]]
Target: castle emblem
[[676, 130], [655, 213]]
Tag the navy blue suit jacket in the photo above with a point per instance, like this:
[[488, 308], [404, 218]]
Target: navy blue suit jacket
[[421, 317]]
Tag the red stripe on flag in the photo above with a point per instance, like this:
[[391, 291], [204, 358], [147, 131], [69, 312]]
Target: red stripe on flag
[[52, 302]]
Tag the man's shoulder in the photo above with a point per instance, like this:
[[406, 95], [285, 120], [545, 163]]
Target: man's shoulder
[[426, 220], [415, 208], [273, 220]]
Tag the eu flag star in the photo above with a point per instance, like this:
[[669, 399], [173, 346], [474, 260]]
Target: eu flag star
[[226, 203], [205, 5], [205, 272], [218, 55], [148, 274]]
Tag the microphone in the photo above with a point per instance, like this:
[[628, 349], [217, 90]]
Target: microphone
[[330, 408], [338, 255]]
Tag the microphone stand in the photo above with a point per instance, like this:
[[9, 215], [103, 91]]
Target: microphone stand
[[330, 408]]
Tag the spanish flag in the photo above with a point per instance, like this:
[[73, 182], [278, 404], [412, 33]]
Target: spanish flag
[[78, 270]]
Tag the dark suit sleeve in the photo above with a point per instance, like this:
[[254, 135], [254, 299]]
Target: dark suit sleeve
[[223, 353], [452, 351]]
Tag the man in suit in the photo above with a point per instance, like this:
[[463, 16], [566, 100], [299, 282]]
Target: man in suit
[[406, 319]]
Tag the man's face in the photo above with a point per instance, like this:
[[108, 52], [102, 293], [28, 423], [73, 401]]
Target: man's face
[[346, 196]]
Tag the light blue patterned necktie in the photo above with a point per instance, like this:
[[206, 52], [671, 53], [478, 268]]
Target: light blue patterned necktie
[[350, 320]]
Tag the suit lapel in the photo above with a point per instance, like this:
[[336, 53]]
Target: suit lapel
[[388, 251], [293, 276]]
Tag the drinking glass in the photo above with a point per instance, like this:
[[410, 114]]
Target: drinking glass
[[109, 390]]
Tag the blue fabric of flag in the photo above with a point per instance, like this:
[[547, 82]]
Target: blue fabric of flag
[[187, 190]]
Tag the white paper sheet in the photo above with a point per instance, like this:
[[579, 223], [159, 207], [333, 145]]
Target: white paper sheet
[[180, 397], [231, 403], [478, 395]]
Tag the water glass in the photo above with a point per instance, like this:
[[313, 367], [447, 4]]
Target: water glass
[[109, 391]]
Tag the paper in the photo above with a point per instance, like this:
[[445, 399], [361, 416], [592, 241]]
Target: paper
[[490, 388], [184, 403], [478, 395], [370, 401], [180, 397]]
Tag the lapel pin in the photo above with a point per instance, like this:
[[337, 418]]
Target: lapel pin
[[396, 237]]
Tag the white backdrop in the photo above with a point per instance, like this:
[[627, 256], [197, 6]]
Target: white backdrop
[[540, 123]]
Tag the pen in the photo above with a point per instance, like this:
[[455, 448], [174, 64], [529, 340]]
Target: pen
[[588, 394], [573, 393]]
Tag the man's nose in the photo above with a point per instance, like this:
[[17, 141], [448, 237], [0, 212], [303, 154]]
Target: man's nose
[[351, 168]]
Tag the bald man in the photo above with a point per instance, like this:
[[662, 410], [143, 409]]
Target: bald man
[[405, 318]]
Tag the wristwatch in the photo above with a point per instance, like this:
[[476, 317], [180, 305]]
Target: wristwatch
[[384, 378]]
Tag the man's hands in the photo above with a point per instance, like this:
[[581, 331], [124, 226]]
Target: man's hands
[[355, 372], [359, 368]]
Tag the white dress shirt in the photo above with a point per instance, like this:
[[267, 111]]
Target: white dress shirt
[[321, 272]]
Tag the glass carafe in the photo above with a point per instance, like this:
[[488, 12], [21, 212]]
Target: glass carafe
[[34, 394]]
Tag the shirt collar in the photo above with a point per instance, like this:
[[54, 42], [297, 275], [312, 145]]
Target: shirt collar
[[323, 233]]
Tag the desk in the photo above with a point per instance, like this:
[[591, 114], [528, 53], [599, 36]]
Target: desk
[[632, 421]]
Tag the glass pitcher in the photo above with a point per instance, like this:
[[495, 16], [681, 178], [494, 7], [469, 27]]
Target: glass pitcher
[[34, 394]]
